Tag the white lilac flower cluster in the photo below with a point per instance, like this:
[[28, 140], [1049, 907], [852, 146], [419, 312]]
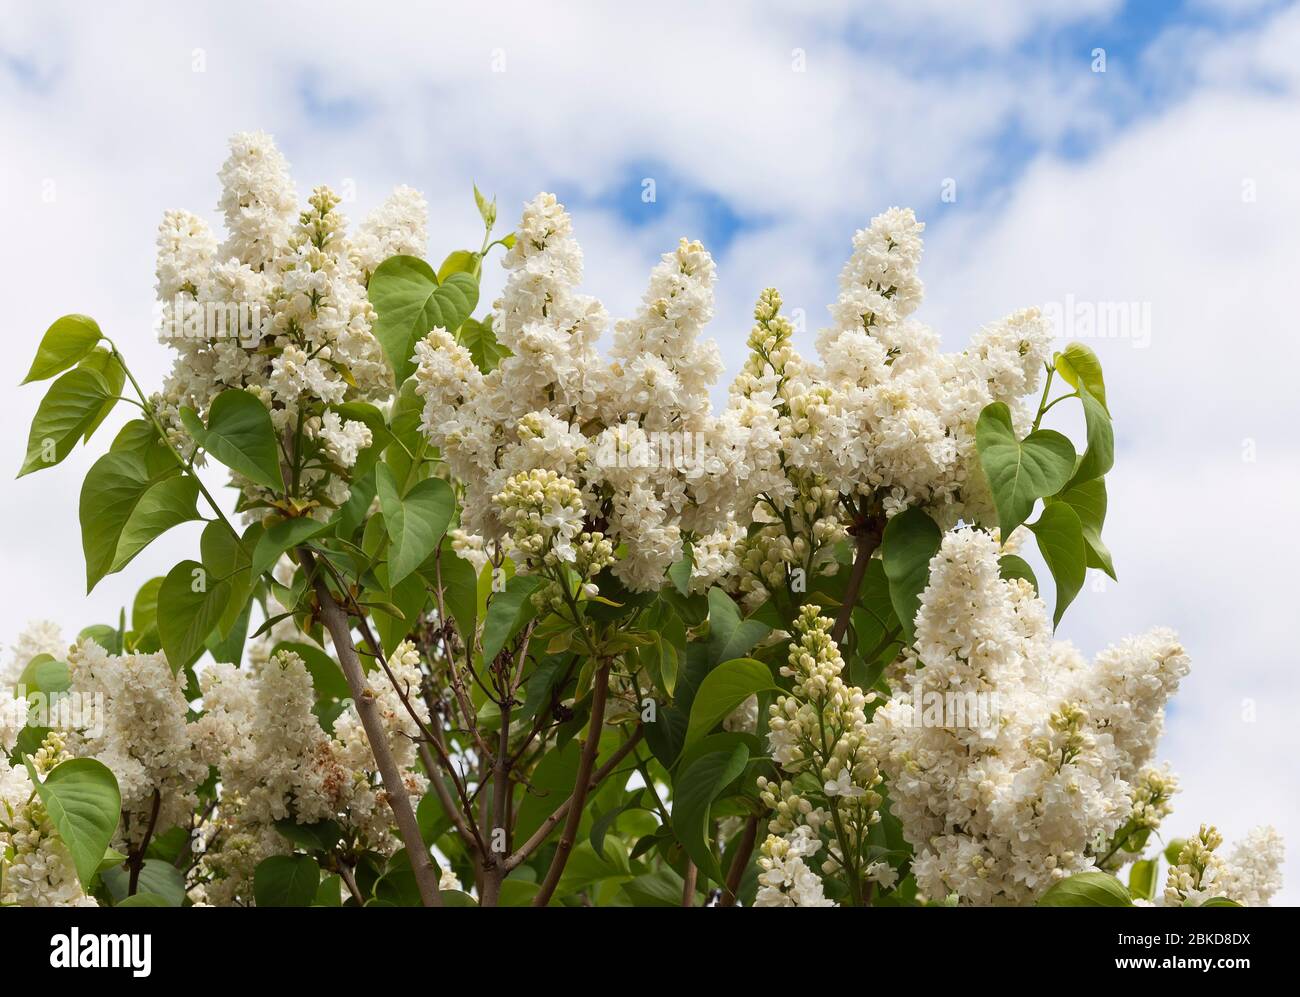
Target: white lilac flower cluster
[[818, 737], [626, 437], [1011, 762], [257, 729], [884, 422], [136, 722], [1250, 875], [277, 762], [280, 307]]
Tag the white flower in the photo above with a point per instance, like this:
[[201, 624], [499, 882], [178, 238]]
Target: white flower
[[883, 873]]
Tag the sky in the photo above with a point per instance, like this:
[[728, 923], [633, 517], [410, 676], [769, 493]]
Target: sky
[[1133, 167]]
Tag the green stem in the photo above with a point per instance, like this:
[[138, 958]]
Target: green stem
[[1047, 386]]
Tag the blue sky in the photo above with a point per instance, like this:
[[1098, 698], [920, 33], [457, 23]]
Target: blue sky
[[1171, 181]]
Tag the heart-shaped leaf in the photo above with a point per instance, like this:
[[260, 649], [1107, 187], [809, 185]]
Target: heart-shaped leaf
[[286, 881], [1020, 471], [409, 302], [1079, 366], [415, 522], [82, 799]]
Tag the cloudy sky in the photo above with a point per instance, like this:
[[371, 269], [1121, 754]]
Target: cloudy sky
[[1161, 195]]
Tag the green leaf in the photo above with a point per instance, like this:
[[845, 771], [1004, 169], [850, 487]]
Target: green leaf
[[1174, 850], [481, 341], [1088, 500], [911, 539], [694, 791], [157, 879], [190, 605], [679, 572], [656, 889], [459, 589], [410, 301], [84, 804], [68, 409], [408, 598], [281, 537], [1014, 566], [321, 836], [1019, 472], [1060, 538], [457, 261], [603, 824], [330, 892], [286, 881], [163, 504], [1142, 878], [1079, 365], [141, 437], [240, 435], [145, 900], [508, 612], [144, 610], [1100, 455], [111, 370], [415, 522], [722, 690], [44, 674], [1219, 902], [110, 492], [64, 345], [227, 557], [730, 636], [1086, 889]]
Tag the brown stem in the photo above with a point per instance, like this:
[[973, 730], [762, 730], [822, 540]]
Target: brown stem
[[350, 881], [440, 790], [137, 854], [548, 825], [581, 786], [868, 540], [336, 621], [739, 863], [688, 887], [501, 815]]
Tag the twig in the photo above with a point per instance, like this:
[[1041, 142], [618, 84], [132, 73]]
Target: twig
[[688, 886], [399, 800], [137, 854], [548, 825], [581, 786], [739, 863]]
